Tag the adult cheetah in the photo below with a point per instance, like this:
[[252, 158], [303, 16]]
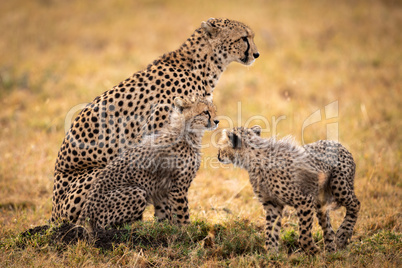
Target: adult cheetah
[[307, 178], [118, 118], [151, 171]]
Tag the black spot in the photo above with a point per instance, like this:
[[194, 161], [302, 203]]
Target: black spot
[[77, 200], [305, 213]]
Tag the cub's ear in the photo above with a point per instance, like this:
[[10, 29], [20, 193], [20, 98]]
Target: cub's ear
[[256, 129], [181, 103], [210, 27], [235, 140]]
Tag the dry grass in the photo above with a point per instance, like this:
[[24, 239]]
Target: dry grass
[[57, 54]]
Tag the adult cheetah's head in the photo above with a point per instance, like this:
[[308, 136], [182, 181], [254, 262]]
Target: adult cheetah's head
[[198, 114], [235, 143], [231, 41]]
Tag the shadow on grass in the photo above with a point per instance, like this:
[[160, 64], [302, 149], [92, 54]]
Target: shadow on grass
[[69, 234], [232, 238]]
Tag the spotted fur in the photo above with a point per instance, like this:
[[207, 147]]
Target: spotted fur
[[120, 117], [308, 178], [152, 171]]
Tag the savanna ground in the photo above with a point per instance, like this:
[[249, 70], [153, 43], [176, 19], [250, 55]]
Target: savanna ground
[[343, 55]]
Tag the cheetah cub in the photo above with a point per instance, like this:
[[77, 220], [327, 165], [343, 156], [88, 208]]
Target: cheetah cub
[[307, 178], [158, 171]]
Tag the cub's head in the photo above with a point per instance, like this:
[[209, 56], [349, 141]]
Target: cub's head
[[234, 143], [231, 40], [198, 114]]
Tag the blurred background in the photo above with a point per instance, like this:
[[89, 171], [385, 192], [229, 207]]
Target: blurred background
[[345, 55]]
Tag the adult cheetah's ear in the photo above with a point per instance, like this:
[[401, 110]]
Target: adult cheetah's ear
[[235, 140], [256, 129], [210, 27]]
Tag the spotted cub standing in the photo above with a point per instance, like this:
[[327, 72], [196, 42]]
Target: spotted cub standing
[[159, 171], [115, 120], [307, 178]]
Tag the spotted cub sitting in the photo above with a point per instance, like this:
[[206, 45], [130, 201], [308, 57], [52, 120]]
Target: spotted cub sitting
[[159, 171], [307, 178]]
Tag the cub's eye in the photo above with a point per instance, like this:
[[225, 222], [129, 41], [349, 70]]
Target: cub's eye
[[207, 113]]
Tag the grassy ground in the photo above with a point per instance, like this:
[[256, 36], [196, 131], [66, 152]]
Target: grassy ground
[[58, 54]]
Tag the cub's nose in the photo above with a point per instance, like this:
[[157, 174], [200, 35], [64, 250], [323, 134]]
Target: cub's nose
[[216, 121], [256, 55]]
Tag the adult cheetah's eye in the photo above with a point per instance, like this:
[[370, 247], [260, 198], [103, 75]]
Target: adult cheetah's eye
[[244, 38], [207, 113]]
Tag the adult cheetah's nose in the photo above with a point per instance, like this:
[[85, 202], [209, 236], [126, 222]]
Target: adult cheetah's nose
[[216, 121], [256, 55]]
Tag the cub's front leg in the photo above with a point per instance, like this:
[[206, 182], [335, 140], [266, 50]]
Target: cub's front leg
[[179, 201], [273, 217], [305, 211]]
